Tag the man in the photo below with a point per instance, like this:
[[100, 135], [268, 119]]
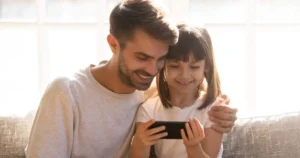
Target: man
[[91, 114]]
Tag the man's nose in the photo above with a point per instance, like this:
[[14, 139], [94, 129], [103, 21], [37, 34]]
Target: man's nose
[[153, 68]]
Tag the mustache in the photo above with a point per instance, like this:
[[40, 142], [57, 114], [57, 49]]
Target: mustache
[[144, 73]]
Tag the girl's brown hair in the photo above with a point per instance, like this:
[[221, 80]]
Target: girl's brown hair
[[195, 42]]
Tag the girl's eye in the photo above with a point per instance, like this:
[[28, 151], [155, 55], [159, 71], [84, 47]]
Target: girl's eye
[[195, 67]]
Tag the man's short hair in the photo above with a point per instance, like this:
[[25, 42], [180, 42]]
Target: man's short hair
[[129, 15]]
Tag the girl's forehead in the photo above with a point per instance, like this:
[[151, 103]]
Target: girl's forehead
[[191, 59]]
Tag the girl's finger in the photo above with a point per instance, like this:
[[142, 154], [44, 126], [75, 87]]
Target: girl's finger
[[189, 132], [200, 129], [155, 130], [195, 131], [157, 136], [185, 139]]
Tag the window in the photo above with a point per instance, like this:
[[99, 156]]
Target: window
[[256, 51], [255, 45], [17, 10]]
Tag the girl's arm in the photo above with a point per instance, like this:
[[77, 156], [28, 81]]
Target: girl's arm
[[138, 151], [196, 152], [211, 144]]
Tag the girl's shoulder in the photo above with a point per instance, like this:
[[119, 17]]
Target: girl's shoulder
[[151, 102]]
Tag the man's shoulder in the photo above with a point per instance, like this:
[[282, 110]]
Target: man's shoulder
[[63, 83]]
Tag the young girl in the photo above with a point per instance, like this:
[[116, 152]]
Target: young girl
[[188, 86]]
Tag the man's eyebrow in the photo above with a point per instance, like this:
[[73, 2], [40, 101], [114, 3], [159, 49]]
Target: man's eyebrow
[[148, 56], [144, 54], [173, 60]]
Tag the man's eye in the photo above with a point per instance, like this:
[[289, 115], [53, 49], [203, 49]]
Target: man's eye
[[142, 58]]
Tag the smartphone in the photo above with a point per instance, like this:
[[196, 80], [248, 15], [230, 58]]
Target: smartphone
[[172, 128]]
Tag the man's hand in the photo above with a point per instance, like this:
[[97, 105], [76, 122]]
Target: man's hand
[[223, 116]]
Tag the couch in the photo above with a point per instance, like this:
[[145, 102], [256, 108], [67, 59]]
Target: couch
[[258, 137]]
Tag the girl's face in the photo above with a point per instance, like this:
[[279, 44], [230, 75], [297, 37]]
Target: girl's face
[[184, 77]]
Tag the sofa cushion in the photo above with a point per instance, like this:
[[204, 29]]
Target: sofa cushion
[[264, 137], [14, 134], [259, 137]]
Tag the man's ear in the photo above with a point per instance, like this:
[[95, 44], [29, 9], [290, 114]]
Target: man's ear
[[113, 43]]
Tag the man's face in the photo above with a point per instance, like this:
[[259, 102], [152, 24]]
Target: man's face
[[141, 59]]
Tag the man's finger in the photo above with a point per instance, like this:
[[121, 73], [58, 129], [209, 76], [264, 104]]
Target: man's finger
[[226, 99], [222, 123], [223, 115], [221, 129], [224, 108]]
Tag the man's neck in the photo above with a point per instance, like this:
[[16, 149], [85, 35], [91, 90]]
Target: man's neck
[[107, 76]]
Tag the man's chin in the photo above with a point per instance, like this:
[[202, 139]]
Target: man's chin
[[142, 87]]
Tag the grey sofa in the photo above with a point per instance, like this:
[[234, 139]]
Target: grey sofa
[[260, 137]]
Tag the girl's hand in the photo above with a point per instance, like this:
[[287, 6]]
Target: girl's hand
[[195, 133], [145, 137]]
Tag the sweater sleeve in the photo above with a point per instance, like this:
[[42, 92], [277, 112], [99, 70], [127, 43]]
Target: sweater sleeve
[[52, 131]]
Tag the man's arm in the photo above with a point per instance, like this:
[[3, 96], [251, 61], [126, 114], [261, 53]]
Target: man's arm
[[52, 131]]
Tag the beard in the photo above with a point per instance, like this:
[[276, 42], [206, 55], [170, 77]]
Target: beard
[[127, 76]]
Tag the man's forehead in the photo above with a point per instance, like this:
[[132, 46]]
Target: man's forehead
[[151, 55]]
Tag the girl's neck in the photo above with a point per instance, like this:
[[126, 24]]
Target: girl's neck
[[182, 100]]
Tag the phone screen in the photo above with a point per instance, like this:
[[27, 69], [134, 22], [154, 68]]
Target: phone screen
[[173, 128]]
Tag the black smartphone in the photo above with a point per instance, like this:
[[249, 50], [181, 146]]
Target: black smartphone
[[173, 128]]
